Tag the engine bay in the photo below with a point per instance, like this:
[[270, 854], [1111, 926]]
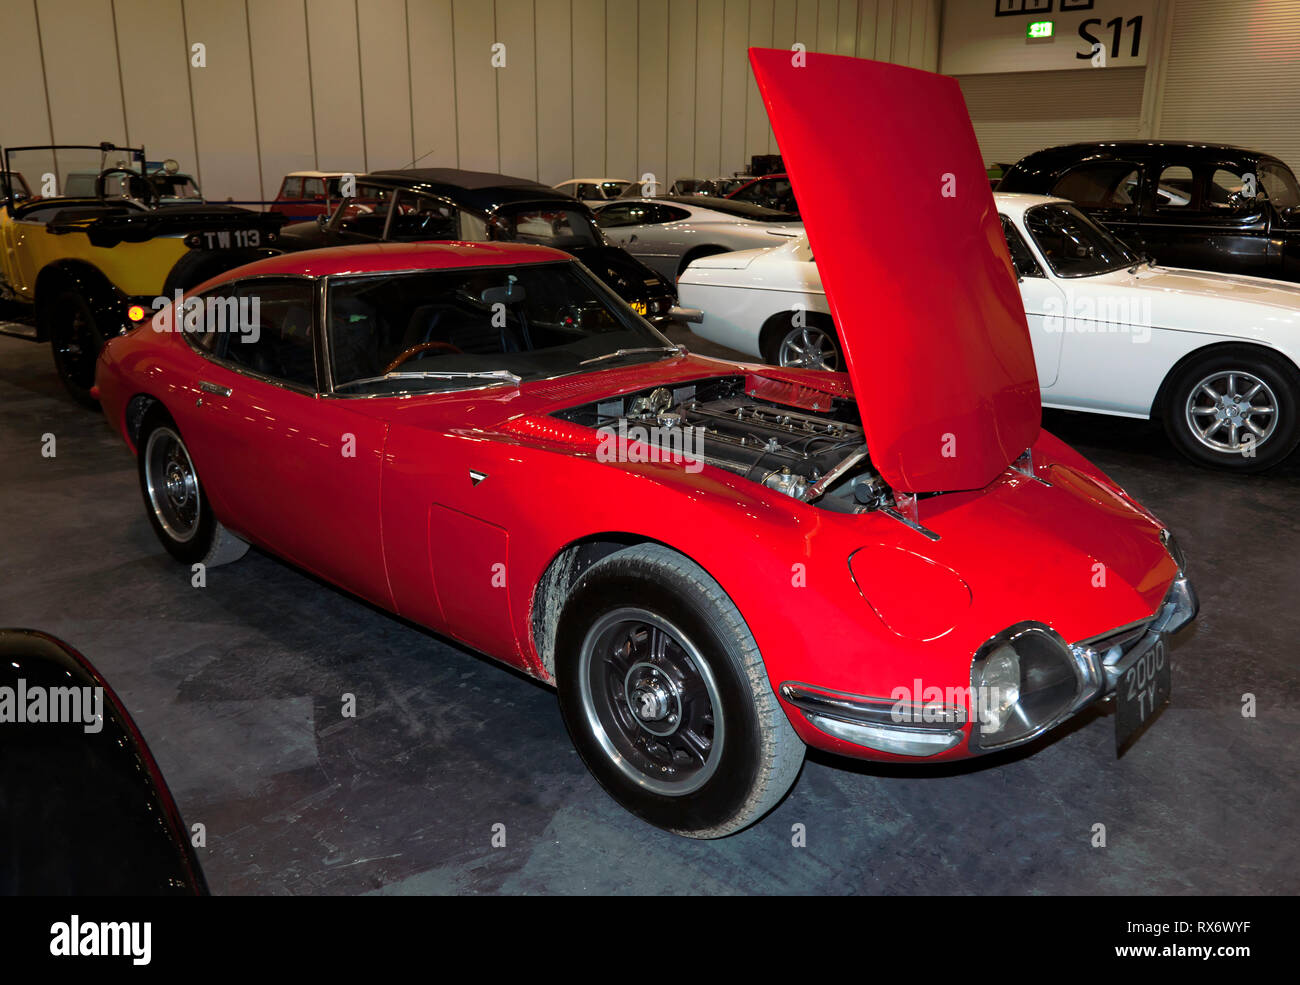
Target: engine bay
[[812, 455]]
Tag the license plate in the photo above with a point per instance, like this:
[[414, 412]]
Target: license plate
[[227, 239], [1143, 690], [639, 307]]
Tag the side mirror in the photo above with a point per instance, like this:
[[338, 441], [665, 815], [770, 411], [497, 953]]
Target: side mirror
[[322, 220]]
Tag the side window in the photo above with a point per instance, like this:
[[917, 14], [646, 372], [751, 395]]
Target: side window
[[612, 216], [292, 188], [586, 192], [1229, 189], [1103, 184], [1175, 187], [267, 327], [1021, 257], [668, 213], [313, 188]]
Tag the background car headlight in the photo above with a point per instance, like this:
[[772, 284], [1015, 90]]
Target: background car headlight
[[1024, 680]]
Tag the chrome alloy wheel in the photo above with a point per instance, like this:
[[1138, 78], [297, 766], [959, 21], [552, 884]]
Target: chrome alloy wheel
[[172, 485], [1230, 410], [809, 347], [651, 701]]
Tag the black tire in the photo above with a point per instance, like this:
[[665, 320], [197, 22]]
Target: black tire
[[707, 672], [1228, 372], [174, 500], [75, 338], [816, 337]]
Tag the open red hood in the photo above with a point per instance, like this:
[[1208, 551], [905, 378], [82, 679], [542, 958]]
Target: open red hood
[[897, 206]]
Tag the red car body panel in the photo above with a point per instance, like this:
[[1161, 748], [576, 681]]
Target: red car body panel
[[402, 524], [920, 285]]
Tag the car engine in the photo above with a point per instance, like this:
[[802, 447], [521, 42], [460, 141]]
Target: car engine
[[809, 455]]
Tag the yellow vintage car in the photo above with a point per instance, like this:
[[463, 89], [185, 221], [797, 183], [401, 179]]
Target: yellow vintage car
[[90, 266]]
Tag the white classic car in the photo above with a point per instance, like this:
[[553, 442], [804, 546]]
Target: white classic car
[[1214, 356], [593, 190], [668, 232]]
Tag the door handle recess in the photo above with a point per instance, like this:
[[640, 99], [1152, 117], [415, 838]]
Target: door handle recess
[[217, 388]]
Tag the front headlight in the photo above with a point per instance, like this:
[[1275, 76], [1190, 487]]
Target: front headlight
[[1023, 681]]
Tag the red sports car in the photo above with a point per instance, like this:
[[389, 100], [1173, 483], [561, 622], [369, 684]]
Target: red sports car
[[715, 564]]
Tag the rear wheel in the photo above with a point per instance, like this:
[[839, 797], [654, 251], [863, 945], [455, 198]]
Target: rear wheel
[[809, 344], [76, 338], [1236, 408], [174, 499], [664, 693]]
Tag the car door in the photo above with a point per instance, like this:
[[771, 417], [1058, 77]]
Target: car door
[[295, 473], [1044, 305], [1200, 217]]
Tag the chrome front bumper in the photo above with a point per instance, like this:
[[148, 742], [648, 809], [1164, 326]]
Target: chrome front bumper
[[1100, 663]]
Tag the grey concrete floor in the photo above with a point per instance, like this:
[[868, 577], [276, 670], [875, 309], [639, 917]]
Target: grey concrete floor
[[237, 687]]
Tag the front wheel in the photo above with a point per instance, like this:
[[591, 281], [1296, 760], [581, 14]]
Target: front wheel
[[665, 696], [1236, 408], [174, 499]]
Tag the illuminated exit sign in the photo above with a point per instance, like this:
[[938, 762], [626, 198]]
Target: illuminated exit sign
[[1039, 30]]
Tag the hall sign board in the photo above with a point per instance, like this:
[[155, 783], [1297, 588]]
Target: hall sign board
[[981, 36]]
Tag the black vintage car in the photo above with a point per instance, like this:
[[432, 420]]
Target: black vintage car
[[477, 206], [84, 809], [1204, 206]]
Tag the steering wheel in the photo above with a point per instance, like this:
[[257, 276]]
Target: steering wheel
[[417, 349], [136, 186]]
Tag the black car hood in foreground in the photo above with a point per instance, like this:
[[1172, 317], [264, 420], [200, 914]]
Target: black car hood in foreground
[[84, 810]]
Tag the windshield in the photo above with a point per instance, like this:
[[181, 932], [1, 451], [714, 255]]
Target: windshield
[[1280, 185], [612, 189], [473, 327], [551, 224], [176, 187], [1073, 244], [69, 172]]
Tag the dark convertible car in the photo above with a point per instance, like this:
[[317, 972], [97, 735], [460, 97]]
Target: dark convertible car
[[1204, 206], [421, 204]]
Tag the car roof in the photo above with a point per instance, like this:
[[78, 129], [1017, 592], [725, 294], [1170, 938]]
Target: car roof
[[322, 174], [392, 257], [1136, 148], [590, 181], [1017, 203], [482, 190]]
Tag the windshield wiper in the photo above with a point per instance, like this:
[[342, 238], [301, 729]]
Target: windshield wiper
[[499, 375], [629, 352]]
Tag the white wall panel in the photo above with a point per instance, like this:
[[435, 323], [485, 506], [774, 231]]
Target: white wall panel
[[222, 90], [554, 42], [385, 83], [517, 89], [590, 87], [681, 89], [81, 74], [431, 54], [1232, 76], [652, 92], [156, 90], [286, 133], [336, 84], [621, 102]]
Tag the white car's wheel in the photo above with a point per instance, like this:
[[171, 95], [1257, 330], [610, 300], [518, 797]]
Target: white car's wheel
[[812, 345], [1236, 408]]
